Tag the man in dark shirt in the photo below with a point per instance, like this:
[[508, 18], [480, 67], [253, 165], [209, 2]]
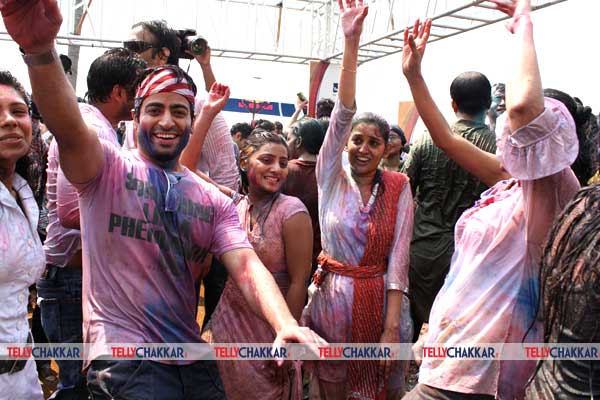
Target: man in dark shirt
[[443, 191], [304, 143]]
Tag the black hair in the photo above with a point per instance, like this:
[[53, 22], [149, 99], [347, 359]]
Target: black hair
[[66, 62], [472, 92], [278, 125], [115, 67], [35, 112], [8, 79], [570, 262], [165, 37], [258, 139], [400, 133], [311, 132], [264, 124], [571, 257], [586, 124], [324, 121], [324, 108], [243, 127], [370, 118], [179, 75]]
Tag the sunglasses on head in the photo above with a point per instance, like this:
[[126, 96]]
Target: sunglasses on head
[[138, 46]]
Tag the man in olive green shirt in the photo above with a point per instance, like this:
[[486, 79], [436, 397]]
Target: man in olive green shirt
[[443, 191]]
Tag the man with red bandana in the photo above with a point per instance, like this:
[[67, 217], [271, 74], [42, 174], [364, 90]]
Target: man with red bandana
[[146, 223]]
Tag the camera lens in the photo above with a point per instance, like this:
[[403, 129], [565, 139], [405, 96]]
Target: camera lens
[[198, 45]]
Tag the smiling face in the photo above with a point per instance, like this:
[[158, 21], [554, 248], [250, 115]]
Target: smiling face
[[267, 168], [15, 126], [164, 127], [366, 147]]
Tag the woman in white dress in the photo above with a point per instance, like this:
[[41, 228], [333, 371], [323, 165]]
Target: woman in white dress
[[21, 254]]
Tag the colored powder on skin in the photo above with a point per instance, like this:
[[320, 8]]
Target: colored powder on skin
[[167, 161], [252, 176]]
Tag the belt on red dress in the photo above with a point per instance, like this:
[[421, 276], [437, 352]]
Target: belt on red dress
[[328, 264]]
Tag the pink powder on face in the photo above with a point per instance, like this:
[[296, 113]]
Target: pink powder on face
[[252, 176]]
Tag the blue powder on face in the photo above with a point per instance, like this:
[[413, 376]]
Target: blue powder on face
[[165, 160]]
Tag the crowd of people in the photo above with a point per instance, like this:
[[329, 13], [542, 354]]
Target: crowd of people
[[332, 229]]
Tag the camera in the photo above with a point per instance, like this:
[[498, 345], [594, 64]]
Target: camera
[[189, 40]]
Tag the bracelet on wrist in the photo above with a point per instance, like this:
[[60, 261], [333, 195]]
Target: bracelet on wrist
[[36, 59]]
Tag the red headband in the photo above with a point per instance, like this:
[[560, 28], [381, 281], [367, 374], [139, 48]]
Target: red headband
[[164, 80]]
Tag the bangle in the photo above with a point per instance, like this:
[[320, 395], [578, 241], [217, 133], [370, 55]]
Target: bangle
[[348, 69], [33, 60]]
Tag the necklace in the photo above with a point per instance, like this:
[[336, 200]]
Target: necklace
[[367, 208]]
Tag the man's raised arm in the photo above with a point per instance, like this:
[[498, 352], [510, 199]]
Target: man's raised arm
[[34, 26]]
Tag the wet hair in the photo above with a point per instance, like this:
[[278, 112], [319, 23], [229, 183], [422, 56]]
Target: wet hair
[[258, 139], [243, 127], [115, 67], [324, 108], [179, 75], [399, 132], [586, 124], [472, 92], [311, 132], [370, 118], [165, 37], [8, 79], [571, 258], [264, 124]]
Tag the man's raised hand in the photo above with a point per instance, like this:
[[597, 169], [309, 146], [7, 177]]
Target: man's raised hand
[[33, 24]]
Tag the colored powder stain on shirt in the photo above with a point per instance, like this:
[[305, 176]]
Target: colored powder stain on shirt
[[491, 292], [344, 237], [142, 265]]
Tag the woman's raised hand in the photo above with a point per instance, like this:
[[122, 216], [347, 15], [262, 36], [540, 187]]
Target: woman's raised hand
[[415, 43], [514, 9], [352, 15]]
